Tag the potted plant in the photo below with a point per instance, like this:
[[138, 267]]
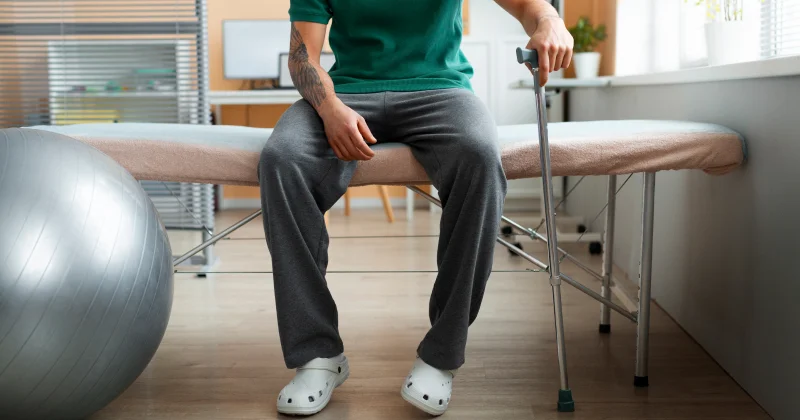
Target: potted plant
[[586, 36], [729, 37]]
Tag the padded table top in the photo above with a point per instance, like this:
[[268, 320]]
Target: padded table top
[[230, 154]]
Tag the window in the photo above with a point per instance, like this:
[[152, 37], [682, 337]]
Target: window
[[84, 61], [72, 61], [655, 36], [780, 28]]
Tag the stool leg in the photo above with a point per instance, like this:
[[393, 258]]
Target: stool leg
[[387, 203], [347, 202]]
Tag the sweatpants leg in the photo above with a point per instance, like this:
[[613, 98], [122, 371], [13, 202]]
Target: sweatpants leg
[[300, 179], [454, 137]]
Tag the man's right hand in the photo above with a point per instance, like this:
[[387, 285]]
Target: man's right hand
[[347, 131]]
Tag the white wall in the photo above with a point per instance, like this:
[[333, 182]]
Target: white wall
[[487, 19]]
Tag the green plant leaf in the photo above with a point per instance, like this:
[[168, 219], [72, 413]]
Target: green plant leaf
[[586, 36]]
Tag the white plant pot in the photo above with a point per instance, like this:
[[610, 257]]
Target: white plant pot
[[731, 42], [587, 64]]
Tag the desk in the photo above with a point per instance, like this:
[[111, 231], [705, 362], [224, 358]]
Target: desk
[[253, 97], [290, 96], [217, 98]]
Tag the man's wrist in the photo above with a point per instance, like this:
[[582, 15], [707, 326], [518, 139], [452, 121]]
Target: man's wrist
[[543, 11], [328, 106], [538, 13], [547, 16]]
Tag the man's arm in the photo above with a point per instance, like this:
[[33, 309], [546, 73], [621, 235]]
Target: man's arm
[[549, 35], [347, 131], [308, 76]]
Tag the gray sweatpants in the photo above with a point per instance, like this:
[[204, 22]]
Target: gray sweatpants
[[453, 136]]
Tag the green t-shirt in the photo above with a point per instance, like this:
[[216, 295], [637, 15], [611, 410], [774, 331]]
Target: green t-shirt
[[391, 45]]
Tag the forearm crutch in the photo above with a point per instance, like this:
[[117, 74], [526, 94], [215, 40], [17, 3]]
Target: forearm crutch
[[565, 401]]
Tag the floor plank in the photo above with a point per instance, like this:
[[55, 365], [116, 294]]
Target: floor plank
[[221, 359]]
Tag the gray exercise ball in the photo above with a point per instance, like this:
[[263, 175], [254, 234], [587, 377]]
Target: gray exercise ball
[[85, 277]]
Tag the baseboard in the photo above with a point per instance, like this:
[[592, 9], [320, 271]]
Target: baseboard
[[521, 204], [523, 193], [355, 203], [625, 289], [376, 203]]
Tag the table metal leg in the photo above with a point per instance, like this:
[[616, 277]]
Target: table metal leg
[[608, 253], [645, 273]]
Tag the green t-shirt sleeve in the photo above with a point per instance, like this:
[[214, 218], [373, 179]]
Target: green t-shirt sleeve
[[317, 11]]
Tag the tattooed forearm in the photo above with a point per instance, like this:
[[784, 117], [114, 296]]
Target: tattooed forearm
[[304, 74]]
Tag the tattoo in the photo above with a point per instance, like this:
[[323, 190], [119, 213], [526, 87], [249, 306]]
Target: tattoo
[[304, 74]]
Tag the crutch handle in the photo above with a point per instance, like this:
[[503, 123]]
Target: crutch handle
[[528, 56]]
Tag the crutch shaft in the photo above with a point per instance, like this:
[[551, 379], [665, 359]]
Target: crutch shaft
[[565, 401]]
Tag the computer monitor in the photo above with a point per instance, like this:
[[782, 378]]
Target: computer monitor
[[326, 60], [252, 48]]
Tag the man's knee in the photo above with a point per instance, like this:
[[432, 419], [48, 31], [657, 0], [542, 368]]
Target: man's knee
[[275, 157], [479, 150], [481, 156]]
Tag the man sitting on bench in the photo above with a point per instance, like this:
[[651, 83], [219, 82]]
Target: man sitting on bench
[[399, 76]]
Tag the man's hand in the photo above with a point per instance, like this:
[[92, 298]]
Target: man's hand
[[554, 44], [347, 132], [549, 36]]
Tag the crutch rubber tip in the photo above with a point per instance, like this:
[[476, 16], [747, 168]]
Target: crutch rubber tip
[[565, 402], [640, 381], [605, 328]]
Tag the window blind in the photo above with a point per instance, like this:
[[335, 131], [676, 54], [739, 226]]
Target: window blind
[[85, 61], [780, 28]]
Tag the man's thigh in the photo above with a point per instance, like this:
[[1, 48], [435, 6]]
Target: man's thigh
[[445, 128]]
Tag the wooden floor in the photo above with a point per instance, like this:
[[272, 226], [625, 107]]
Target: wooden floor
[[221, 357]]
